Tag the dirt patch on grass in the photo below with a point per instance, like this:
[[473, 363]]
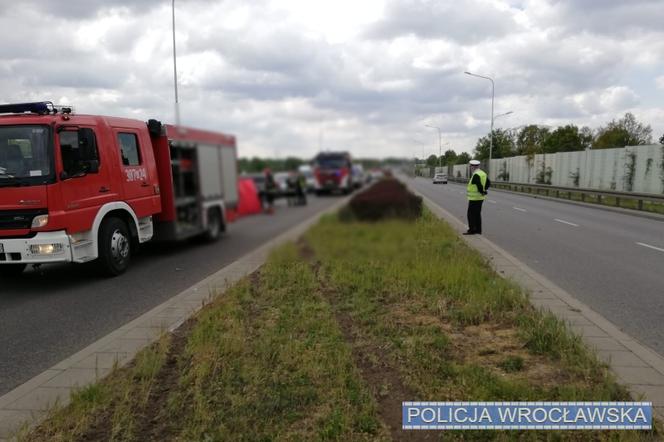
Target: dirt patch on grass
[[154, 422], [495, 346], [384, 381]]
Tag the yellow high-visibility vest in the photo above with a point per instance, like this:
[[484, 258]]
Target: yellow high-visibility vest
[[472, 190]]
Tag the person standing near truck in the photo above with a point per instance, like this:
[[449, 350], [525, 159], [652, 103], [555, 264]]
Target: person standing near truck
[[476, 190], [270, 190], [301, 188]]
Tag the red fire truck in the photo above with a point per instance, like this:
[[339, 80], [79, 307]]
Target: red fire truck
[[332, 171], [77, 188]]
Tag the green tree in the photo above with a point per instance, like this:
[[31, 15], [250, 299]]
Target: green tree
[[432, 161], [530, 140], [625, 132], [463, 158], [256, 164], [503, 145], [292, 163], [449, 157], [587, 137], [567, 139]]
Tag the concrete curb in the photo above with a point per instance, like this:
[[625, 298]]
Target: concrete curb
[[28, 403], [636, 366]]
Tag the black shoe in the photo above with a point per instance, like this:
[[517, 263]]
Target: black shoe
[[469, 233]]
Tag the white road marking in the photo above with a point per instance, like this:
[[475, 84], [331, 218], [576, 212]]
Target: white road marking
[[565, 222], [519, 209], [650, 247], [492, 201]]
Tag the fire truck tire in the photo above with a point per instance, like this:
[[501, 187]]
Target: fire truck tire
[[9, 270], [215, 225], [114, 246]]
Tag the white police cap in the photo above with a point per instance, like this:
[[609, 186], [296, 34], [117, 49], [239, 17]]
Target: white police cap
[[474, 163]]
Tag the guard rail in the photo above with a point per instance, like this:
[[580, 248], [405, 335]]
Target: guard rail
[[630, 200]]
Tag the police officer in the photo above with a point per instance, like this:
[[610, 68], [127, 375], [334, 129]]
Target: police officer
[[477, 189]]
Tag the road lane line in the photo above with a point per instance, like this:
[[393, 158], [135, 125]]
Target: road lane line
[[492, 201], [650, 247], [519, 209], [565, 222]]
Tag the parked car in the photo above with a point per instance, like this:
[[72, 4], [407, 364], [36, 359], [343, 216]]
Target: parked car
[[376, 174], [281, 178], [359, 177], [440, 178]]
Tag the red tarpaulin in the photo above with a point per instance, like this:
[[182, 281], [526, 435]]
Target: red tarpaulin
[[248, 201]]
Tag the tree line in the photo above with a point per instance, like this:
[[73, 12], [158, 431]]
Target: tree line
[[535, 139]]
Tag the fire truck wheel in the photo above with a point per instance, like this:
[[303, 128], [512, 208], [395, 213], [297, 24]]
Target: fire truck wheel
[[8, 270], [114, 246], [214, 225]]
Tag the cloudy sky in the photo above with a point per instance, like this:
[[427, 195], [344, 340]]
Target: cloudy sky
[[288, 76]]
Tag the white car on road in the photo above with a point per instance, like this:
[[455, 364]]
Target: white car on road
[[440, 178]]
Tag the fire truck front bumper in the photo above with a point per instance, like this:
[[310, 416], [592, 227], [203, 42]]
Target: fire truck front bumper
[[42, 248]]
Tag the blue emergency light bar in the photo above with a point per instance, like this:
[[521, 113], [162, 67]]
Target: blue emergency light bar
[[40, 107]]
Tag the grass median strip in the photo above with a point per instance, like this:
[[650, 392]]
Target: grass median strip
[[327, 339], [452, 328]]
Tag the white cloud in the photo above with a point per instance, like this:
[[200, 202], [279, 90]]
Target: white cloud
[[364, 74], [475, 21], [659, 81]]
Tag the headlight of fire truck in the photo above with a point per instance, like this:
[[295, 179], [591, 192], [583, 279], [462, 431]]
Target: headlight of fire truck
[[45, 249]]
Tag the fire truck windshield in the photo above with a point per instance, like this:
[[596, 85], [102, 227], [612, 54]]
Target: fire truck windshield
[[331, 161], [26, 156]]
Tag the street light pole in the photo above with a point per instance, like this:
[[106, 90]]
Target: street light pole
[[493, 93], [175, 71], [440, 144]]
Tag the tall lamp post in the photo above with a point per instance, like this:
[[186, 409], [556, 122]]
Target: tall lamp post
[[493, 91], [440, 144], [175, 71]]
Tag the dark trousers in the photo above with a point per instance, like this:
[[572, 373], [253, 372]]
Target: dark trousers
[[475, 216]]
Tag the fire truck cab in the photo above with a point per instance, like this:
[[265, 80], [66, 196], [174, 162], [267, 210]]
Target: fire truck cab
[[333, 172], [77, 188]]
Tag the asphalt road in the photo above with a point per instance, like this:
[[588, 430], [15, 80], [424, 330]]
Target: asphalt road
[[613, 262], [47, 315]]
